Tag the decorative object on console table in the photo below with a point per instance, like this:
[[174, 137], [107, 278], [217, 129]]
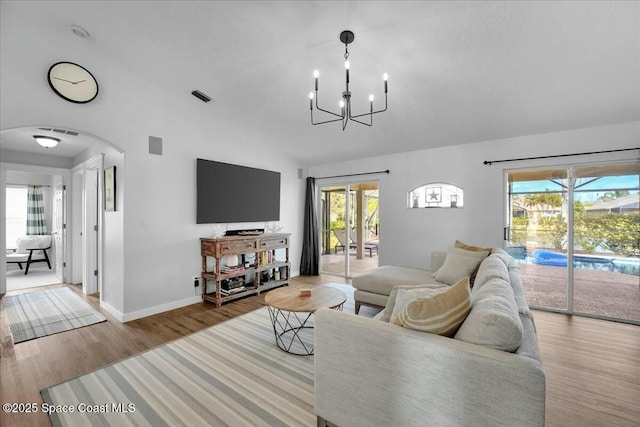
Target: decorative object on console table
[[250, 277]]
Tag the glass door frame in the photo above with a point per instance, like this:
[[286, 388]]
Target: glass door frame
[[570, 211], [349, 221]]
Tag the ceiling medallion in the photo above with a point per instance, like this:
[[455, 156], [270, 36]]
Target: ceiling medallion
[[346, 114]]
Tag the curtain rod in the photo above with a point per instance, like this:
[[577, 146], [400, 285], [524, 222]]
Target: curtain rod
[[28, 185], [489, 162], [354, 174]]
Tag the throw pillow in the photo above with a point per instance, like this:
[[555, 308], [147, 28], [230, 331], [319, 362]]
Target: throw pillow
[[458, 264], [494, 320], [440, 313], [471, 248], [405, 296], [385, 315]]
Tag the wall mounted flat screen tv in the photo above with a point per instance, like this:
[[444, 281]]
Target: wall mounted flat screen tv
[[234, 193]]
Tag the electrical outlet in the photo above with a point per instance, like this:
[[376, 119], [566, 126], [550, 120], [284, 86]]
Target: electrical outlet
[[196, 281]]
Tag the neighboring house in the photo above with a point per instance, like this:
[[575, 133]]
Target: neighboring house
[[622, 205]]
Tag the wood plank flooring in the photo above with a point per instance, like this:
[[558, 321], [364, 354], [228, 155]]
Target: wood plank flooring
[[592, 366]]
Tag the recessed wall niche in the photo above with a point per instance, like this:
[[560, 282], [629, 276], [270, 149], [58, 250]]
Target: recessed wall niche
[[435, 195]]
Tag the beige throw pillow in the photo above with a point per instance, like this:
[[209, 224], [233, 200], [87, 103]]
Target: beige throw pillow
[[385, 315], [439, 311], [471, 248], [458, 264]]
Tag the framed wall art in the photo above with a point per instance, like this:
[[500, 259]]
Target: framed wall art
[[110, 189]]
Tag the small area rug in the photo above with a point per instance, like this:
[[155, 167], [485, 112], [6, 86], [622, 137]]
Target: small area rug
[[231, 374], [50, 311]]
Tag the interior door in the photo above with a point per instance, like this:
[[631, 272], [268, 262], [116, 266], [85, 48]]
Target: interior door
[[90, 272], [59, 227]]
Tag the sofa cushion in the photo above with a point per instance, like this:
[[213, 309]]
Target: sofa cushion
[[25, 243], [437, 311], [491, 267], [383, 279], [494, 320], [458, 264], [385, 315]]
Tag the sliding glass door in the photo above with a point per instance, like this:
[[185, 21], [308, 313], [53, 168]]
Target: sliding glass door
[[576, 234], [538, 234], [349, 228], [606, 242]]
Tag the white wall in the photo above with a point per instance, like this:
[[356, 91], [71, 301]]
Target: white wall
[[408, 236], [152, 247]]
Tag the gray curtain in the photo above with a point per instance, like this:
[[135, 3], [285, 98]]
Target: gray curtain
[[309, 264], [36, 222]]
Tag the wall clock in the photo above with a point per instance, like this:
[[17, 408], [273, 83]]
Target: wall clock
[[72, 82]]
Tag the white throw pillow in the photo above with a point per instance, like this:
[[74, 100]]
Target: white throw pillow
[[458, 264], [494, 320]]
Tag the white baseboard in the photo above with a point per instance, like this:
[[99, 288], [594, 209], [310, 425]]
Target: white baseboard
[[128, 317], [112, 311]]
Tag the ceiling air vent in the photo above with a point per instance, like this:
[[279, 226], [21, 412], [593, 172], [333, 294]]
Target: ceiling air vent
[[201, 96], [66, 132]]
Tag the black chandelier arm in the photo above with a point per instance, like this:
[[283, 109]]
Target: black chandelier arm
[[372, 112], [326, 111], [362, 123], [326, 121]]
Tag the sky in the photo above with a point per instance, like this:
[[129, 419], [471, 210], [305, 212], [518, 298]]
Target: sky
[[595, 189]]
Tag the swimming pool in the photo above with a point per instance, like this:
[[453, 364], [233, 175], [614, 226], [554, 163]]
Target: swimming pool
[[616, 265]]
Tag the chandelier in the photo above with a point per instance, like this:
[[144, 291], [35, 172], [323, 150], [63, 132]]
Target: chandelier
[[346, 114]]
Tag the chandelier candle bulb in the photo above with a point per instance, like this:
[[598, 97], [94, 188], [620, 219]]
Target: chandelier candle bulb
[[385, 77], [347, 64]]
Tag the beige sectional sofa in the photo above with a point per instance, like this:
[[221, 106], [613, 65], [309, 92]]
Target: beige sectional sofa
[[373, 287], [369, 372]]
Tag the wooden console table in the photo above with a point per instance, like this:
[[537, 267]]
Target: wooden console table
[[257, 265]]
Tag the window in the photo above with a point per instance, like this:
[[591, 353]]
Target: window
[[16, 210], [435, 195]]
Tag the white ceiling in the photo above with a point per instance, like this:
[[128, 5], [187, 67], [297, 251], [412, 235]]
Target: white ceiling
[[459, 72]]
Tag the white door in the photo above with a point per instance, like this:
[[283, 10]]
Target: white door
[[90, 279], [59, 227]]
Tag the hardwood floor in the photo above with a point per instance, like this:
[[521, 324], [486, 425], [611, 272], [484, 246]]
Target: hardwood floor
[[592, 366]]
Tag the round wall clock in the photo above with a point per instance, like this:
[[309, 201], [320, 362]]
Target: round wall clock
[[72, 82]]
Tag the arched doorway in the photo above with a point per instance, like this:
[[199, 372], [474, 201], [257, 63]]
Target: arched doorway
[[74, 170]]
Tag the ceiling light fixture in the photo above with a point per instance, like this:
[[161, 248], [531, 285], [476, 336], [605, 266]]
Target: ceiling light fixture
[[345, 115], [46, 141]]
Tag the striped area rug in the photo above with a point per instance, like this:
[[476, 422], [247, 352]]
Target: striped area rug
[[228, 374], [50, 311]]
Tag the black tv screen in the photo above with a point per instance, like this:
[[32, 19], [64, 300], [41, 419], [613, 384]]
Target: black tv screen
[[233, 193]]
